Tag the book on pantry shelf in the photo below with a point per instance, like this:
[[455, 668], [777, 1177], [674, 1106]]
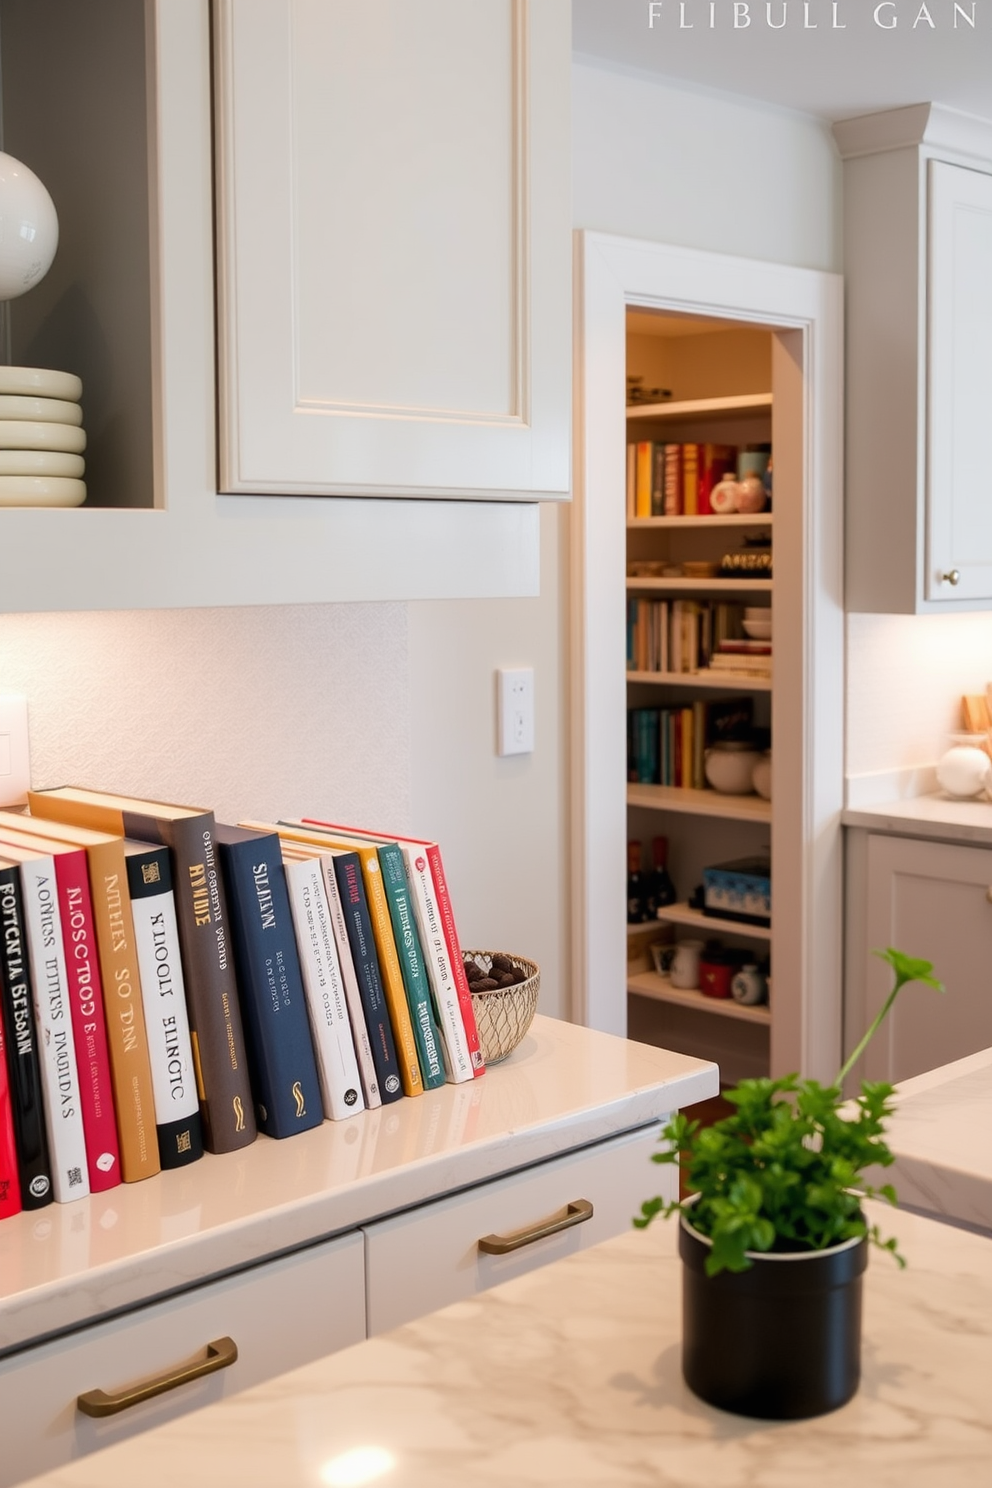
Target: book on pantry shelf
[[644, 478], [48, 977], [439, 934], [216, 1030], [323, 981], [86, 1000], [163, 992], [23, 1063], [10, 1182], [281, 1059]]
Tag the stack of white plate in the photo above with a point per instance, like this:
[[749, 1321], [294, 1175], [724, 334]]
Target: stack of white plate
[[41, 438]]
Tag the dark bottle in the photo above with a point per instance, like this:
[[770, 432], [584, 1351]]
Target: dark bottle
[[660, 889], [635, 885]]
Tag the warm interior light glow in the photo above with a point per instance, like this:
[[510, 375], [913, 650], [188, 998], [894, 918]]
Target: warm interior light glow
[[360, 1465]]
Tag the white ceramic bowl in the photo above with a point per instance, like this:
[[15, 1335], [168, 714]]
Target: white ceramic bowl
[[28, 434], [41, 382], [41, 490], [48, 410], [41, 462], [758, 630]]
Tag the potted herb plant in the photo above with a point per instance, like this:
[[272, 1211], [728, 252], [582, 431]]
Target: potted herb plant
[[772, 1236]]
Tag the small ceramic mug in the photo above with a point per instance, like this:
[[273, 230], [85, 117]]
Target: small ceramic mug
[[685, 964]]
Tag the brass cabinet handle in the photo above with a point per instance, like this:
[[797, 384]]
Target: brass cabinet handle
[[953, 577], [563, 1219], [220, 1353]]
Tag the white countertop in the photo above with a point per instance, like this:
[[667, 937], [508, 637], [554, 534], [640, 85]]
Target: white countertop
[[564, 1087], [937, 816], [941, 1135], [571, 1375]]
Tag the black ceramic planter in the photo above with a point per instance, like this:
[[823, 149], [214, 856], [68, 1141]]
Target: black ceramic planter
[[782, 1340]]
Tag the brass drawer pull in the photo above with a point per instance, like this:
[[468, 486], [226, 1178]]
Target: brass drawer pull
[[220, 1353], [563, 1219]]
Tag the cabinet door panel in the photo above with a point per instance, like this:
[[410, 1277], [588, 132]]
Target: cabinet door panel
[[394, 246], [929, 899], [959, 383], [428, 1257], [280, 1315]]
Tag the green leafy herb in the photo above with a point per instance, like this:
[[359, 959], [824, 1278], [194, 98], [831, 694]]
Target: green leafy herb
[[784, 1171]]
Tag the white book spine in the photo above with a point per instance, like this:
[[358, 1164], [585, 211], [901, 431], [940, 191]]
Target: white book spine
[[458, 1060], [163, 997], [353, 996], [50, 992], [337, 1065]]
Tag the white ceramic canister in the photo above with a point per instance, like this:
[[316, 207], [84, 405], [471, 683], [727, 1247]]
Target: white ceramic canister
[[761, 776], [723, 497], [729, 765], [751, 494], [748, 986]]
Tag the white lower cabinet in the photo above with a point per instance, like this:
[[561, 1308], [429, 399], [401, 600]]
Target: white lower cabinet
[[932, 900], [278, 1315], [449, 1250], [288, 1311]]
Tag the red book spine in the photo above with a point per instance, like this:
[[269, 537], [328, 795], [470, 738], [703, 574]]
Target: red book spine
[[10, 1187], [455, 955], [89, 1025]]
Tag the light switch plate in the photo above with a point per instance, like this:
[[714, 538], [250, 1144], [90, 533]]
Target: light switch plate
[[515, 710], [15, 761]]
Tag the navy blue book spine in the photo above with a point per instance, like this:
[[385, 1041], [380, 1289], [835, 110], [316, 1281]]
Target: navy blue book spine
[[348, 871], [273, 1003]]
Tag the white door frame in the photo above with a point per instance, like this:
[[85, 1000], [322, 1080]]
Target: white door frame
[[613, 273]]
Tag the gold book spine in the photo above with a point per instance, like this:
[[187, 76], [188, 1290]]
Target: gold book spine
[[129, 1063]]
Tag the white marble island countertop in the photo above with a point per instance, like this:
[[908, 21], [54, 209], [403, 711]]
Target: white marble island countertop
[[563, 1088], [571, 1375], [941, 1136]]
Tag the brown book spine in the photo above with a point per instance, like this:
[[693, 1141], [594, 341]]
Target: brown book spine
[[208, 963], [130, 1069]]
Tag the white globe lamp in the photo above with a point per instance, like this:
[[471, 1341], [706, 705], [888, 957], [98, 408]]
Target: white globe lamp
[[29, 228]]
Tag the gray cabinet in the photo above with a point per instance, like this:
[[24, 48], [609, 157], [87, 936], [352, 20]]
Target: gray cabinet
[[917, 255], [929, 899]]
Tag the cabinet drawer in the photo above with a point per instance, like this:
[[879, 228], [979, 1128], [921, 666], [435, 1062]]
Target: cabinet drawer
[[429, 1257], [279, 1315]]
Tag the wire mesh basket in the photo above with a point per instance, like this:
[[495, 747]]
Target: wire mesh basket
[[503, 1014]]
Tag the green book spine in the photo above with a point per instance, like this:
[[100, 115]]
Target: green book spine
[[411, 956]]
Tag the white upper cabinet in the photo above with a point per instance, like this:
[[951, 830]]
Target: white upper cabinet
[[370, 203], [393, 186], [918, 270], [959, 389]]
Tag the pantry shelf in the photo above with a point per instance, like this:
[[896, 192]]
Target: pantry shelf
[[702, 408], [659, 989], [725, 681], [699, 802], [684, 914]]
